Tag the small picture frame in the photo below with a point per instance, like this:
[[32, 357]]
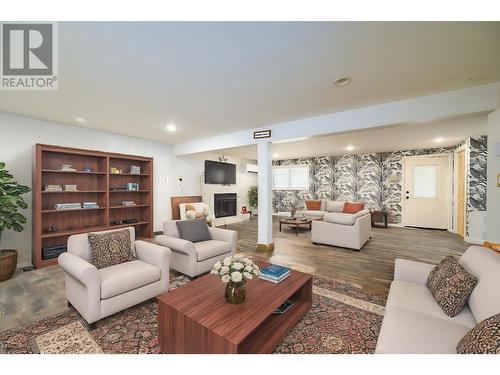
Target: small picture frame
[[498, 179], [135, 169]]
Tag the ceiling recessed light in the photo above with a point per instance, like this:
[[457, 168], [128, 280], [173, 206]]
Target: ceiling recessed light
[[171, 127], [349, 148], [276, 155], [342, 81], [81, 120], [439, 140]]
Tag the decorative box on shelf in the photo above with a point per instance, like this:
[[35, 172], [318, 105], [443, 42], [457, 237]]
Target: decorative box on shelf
[[70, 188], [132, 186], [135, 169]]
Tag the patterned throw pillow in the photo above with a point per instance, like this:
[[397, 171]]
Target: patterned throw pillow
[[108, 249], [451, 285], [483, 338]]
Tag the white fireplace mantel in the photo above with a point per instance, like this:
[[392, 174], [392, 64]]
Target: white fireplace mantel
[[207, 193]]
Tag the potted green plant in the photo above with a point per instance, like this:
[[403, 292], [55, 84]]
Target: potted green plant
[[11, 200], [253, 198]]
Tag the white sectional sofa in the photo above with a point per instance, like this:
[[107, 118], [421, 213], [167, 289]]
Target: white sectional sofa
[[326, 206], [414, 322], [336, 227], [344, 230]]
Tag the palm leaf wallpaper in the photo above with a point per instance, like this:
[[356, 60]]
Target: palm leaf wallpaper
[[375, 179], [476, 179]]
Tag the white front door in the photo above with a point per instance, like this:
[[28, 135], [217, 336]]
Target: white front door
[[426, 191]]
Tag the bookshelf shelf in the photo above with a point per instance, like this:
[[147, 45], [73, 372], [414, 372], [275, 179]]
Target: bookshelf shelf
[[130, 174], [75, 192], [129, 225], [93, 187], [125, 207], [73, 172], [72, 210], [129, 191]]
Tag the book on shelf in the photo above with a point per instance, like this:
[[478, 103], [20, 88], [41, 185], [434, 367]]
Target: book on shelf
[[132, 186], [53, 188], [67, 168], [90, 205], [67, 206], [128, 203]]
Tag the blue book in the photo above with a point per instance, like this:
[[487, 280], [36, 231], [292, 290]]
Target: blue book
[[274, 270]]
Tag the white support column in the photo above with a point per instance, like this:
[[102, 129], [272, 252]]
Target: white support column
[[265, 227]]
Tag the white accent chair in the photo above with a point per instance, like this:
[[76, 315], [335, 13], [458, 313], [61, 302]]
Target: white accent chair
[[195, 258], [98, 293], [413, 321], [342, 229]]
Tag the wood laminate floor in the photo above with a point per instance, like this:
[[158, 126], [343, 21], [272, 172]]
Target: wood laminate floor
[[33, 295], [371, 268]]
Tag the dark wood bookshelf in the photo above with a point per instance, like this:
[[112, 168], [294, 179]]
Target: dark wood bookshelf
[[94, 186]]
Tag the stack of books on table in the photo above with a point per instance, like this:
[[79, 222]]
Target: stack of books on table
[[274, 273], [90, 205]]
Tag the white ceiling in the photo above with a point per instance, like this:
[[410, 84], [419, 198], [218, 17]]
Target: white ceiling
[[392, 138], [211, 78]]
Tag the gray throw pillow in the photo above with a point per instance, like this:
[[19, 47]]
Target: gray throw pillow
[[194, 230]]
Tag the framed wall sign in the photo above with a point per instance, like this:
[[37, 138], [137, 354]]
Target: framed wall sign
[[262, 134]]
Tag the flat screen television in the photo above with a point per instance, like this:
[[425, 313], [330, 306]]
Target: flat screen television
[[217, 172]]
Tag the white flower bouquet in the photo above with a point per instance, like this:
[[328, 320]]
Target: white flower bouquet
[[236, 269]]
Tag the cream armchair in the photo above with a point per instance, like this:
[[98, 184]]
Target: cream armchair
[[195, 258], [97, 293]]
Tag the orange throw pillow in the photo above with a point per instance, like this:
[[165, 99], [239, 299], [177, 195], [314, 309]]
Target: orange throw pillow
[[313, 205], [353, 207]]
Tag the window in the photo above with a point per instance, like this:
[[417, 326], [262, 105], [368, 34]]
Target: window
[[295, 177], [425, 178]]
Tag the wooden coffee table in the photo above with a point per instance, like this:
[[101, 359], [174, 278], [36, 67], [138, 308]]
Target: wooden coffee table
[[197, 319], [296, 223]]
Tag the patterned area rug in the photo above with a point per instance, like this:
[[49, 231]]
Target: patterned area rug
[[343, 319]]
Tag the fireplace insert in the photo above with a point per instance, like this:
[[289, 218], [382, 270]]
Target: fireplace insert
[[225, 204]]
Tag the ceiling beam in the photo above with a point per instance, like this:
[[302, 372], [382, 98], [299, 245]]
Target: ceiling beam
[[477, 99]]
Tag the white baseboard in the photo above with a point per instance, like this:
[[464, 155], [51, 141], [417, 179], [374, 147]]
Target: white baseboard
[[22, 265], [396, 225], [474, 241]]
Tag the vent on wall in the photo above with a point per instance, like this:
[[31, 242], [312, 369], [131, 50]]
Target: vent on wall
[[252, 168]]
